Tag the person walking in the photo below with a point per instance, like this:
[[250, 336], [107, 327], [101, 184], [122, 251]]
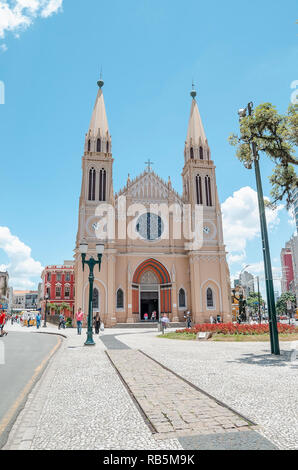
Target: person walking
[[38, 320], [153, 315], [2, 324], [79, 320], [97, 323], [188, 319], [61, 321], [164, 322]]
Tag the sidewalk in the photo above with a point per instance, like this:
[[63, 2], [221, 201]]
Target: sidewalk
[[109, 396]]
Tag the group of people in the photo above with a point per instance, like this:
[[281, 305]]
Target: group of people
[[153, 316], [97, 323]]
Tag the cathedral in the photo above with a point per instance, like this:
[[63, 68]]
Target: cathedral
[[163, 251]]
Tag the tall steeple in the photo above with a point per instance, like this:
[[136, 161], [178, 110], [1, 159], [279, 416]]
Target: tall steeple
[[98, 139], [196, 145]]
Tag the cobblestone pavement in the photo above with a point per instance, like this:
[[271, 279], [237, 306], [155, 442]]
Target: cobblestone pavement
[[244, 376], [82, 403], [173, 407]]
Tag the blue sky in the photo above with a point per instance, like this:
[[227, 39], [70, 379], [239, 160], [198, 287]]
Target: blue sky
[[150, 52]]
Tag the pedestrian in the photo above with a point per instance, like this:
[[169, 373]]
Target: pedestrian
[[97, 323], [145, 316], [79, 319], [29, 319], [61, 321], [153, 316], [164, 322], [211, 319], [187, 316], [2, 324], [38, 320]]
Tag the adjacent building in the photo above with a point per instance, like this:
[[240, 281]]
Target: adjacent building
[[58, 285], [246, 281], [289, 266]]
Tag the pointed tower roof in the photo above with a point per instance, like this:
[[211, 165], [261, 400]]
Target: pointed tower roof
[[195, 126], [99, 116]]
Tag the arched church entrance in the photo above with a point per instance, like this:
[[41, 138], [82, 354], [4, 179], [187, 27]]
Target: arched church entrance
[[152, 290]]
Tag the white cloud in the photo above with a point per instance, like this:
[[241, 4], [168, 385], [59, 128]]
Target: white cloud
[[17, 15], [241, 221], [22, 268]]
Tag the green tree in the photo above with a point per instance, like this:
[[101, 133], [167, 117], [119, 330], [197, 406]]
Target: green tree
[[281, 305], [252, 301], [276, 135]]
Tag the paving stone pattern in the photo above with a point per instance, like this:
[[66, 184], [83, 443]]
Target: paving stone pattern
[[173, 407]]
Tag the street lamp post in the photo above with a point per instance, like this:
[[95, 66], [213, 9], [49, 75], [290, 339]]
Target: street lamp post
[[91, 263], [265, 244], [45, 312]]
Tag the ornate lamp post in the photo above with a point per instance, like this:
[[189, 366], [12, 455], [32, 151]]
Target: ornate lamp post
[[45, 312], [91, 263], [265, 243]]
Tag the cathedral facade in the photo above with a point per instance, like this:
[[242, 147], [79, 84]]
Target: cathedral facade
[[164, 252]]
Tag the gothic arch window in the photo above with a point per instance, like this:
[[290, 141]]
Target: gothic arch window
[[95, 299], [120, 298], [208, 191], [108, 147], [201, 153], [92, 183], [191, 152], [102, 184], [199, 189], [210, 298], [182, 298], [89, 145], [98, 145]]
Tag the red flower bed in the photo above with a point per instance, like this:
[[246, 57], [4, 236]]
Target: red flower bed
[[240, 329]]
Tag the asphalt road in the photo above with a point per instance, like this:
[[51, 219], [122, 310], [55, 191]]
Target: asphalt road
[[25, 358]]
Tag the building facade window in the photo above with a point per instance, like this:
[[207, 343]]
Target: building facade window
[[58, 277], [191, 152], [210, 298], [49, 277], [58, 292], [208, 191], [92, 183], [102, 184], [108, 147], [95, 299], [199, 189], [67, 277], [67, 292], [182, 298], [89, 145], [49, 292], [120, 298], [201, 153], [98, 145]]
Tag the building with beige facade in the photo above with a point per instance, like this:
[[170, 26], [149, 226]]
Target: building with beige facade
[[164, 251]]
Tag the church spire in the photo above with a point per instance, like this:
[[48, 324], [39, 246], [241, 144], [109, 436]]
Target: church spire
[[98, 138], [196, 145]]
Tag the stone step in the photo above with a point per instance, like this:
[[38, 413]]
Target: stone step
[[148, 325]]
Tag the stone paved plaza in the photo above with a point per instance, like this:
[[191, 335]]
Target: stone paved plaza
[[82, 402]]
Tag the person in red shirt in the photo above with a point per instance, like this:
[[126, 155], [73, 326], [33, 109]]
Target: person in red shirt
[[79, 319], [2, 324]]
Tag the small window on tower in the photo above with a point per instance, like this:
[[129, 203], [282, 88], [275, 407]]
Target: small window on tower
[[191, 153], [108, 147], [98, 145], [201, 153], [89, 145]]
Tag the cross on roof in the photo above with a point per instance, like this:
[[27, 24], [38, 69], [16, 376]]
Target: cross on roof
[[149, 163]]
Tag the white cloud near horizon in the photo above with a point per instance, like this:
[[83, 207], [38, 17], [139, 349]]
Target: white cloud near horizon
[[18, 15], [241, 221], [22, 268]]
